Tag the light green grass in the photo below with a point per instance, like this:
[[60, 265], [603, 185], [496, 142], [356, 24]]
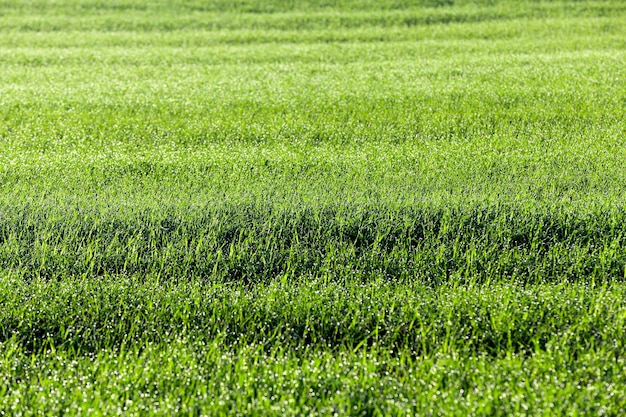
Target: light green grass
[[270, 207]]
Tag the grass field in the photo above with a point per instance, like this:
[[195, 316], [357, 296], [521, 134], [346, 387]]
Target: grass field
[[313, 208]]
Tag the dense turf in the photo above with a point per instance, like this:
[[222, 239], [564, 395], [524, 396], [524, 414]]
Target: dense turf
[[276, 207]]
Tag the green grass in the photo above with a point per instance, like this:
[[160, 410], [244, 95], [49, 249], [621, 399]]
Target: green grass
[[301, 208]]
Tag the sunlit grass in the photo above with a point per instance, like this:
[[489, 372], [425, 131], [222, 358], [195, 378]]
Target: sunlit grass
[[261, 208]]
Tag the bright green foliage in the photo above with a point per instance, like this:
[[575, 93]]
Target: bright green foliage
[[270, 207]]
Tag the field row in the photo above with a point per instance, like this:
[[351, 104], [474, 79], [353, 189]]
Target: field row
[[82, 316], [279, 16], [256, 241], [187, 379]]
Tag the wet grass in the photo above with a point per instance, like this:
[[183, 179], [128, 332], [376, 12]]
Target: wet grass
[[366, 208]]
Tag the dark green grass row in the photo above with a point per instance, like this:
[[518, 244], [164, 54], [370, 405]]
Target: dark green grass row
[[80, 316], [311, 346], [257, 241]]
